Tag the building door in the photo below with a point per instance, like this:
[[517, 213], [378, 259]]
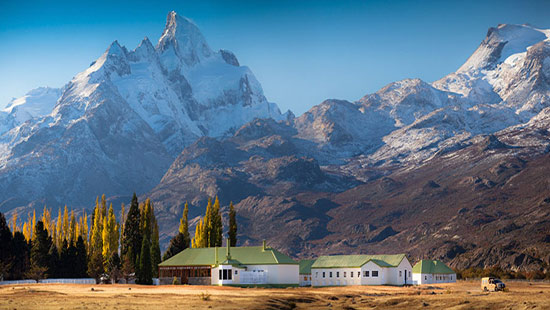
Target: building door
[[405, 271]]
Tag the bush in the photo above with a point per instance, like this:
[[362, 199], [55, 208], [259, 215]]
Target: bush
[[175, 281], [204, 296]]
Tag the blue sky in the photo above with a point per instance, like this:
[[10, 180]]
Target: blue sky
[[301, 51]]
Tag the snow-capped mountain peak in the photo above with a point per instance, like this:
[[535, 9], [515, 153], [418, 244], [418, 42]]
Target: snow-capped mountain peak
[[502, 42], [181, 37]]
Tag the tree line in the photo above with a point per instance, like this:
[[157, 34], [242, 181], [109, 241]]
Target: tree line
[[124, 248]]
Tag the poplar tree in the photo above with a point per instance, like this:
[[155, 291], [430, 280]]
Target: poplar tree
[[65, 225], [110, 234], [232, 225], [59, 230], [217, 225], [72, 229], [95, 263], [206, 229], [184, 226]]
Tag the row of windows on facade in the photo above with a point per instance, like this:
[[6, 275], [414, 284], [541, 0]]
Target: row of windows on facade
[[366, 274], [438, 277]]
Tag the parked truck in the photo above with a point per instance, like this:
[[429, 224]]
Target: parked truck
[[492, 284]]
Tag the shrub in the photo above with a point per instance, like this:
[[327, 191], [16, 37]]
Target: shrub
[[204, 296], [175, 281]]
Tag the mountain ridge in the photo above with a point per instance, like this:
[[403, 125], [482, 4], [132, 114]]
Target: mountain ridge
[[181, 122]]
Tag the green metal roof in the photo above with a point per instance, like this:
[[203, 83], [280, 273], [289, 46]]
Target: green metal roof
[[354, 261], [305, 266], [254, 255], [432, 267]]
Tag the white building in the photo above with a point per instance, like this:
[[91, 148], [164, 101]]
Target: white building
[[432, 271], [338, 270], [258, 265]]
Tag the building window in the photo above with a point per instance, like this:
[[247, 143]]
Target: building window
[[316, 274], [351, 274], [330, 274], [225, 274], [323, 274], [425, 277], [375, 273], [359, 274], [400, 273], [236, 272], [344, 274], [338, 274], [366, 274], [409, 273], [451, 277]]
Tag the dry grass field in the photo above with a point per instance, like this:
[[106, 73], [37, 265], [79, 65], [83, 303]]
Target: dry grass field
[[462, 295]]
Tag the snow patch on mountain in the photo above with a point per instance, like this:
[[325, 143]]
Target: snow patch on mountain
[[36, 103]]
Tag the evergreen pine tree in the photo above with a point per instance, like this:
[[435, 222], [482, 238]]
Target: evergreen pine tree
[[21, 252], [54, 265], [6, 248], [155, 245], [72, 259], [177, 244], [132, 237], [144, 272], [81, 259], [181, 240], [40, 246], [64, 261], [232, 225], [145, 275]]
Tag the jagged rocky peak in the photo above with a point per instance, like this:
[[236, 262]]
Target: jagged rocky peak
[[502, 42], [183, 38]]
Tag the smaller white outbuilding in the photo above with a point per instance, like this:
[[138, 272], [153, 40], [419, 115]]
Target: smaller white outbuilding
[[337, 270], [432, 271]]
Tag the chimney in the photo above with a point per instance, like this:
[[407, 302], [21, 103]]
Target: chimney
[[228, 249]]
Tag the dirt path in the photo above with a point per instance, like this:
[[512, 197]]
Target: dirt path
[[462, 295]]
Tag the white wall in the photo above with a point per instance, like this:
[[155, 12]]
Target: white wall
[[370, 280], [393, 273], [337, 278], [426, 278], [279, 274], [215, 275]]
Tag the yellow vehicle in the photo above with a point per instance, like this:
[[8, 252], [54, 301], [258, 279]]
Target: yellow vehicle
[[492, 284]]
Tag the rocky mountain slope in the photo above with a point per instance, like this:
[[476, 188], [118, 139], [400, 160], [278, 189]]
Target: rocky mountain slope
[[454, 169], [117, 126]]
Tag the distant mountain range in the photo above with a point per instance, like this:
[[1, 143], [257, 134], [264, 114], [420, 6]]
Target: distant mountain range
[[454, 170]]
